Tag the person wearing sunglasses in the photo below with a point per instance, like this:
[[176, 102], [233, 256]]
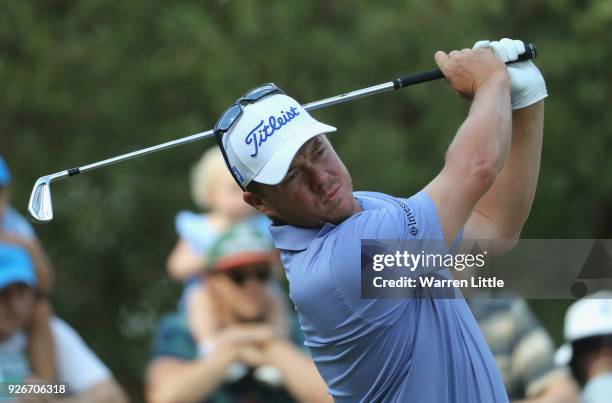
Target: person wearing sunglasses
[[392, 349], [214, 190], [244, 356]]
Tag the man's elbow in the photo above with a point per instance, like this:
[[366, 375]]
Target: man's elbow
[[483, 170], [477, 172], [502, 246]]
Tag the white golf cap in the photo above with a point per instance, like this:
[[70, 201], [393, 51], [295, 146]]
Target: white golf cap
[[590, 316], [263, 141]]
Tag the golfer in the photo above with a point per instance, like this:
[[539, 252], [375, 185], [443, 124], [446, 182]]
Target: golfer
[[392, 350]]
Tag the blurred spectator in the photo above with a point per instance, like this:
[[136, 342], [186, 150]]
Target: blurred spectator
[[523, 352], [214, 189], [87, 377], [14, 228], [588, 347], [244, 358]]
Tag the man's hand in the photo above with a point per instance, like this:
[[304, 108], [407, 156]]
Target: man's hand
[[470, 70], [527, 85]]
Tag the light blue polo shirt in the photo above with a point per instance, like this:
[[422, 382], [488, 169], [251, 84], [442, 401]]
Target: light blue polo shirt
[[383, 350]]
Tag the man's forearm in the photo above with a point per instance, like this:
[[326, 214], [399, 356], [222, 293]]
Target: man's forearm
[[507, 203], [485, 134], [474, 158]]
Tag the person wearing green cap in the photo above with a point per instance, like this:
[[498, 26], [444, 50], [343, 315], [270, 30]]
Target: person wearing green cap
[[244, 355]]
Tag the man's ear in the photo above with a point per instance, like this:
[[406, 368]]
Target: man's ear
[[258, 203]]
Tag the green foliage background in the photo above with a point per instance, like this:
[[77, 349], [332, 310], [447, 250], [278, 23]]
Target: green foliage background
[[86, 80]]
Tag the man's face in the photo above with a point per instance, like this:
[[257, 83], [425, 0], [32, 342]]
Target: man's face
[[316, 190], [16, 305], [243, 290]]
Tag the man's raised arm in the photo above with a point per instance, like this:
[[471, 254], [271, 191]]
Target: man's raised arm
[[478, 151], [501, 213]]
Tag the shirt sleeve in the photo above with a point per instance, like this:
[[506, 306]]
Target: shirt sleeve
[[76, 363]]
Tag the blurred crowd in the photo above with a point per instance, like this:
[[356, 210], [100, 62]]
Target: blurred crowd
[[235, 337], [36, 345]]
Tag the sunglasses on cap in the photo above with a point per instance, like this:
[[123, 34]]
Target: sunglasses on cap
[[241, 276], [231, 114]]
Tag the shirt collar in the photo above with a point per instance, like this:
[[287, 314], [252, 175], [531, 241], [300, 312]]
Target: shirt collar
[[289, 237]]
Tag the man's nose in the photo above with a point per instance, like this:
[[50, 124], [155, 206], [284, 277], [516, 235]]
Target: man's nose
[[318, 178]]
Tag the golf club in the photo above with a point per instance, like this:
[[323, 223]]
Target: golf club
[[40, 206]]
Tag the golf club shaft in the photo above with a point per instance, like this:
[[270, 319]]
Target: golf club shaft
[[402, 82], [376, 89], [396, 84]]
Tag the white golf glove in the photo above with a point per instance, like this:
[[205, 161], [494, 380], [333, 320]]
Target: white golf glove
[[527, 85]]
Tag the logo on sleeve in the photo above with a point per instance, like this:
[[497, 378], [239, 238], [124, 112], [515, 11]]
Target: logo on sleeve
[[412, 223]]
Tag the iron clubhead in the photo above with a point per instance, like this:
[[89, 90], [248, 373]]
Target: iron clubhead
[[40, 206]]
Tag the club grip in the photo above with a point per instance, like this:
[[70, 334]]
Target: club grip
[[435, 74], [530, 53], [418, 78]]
